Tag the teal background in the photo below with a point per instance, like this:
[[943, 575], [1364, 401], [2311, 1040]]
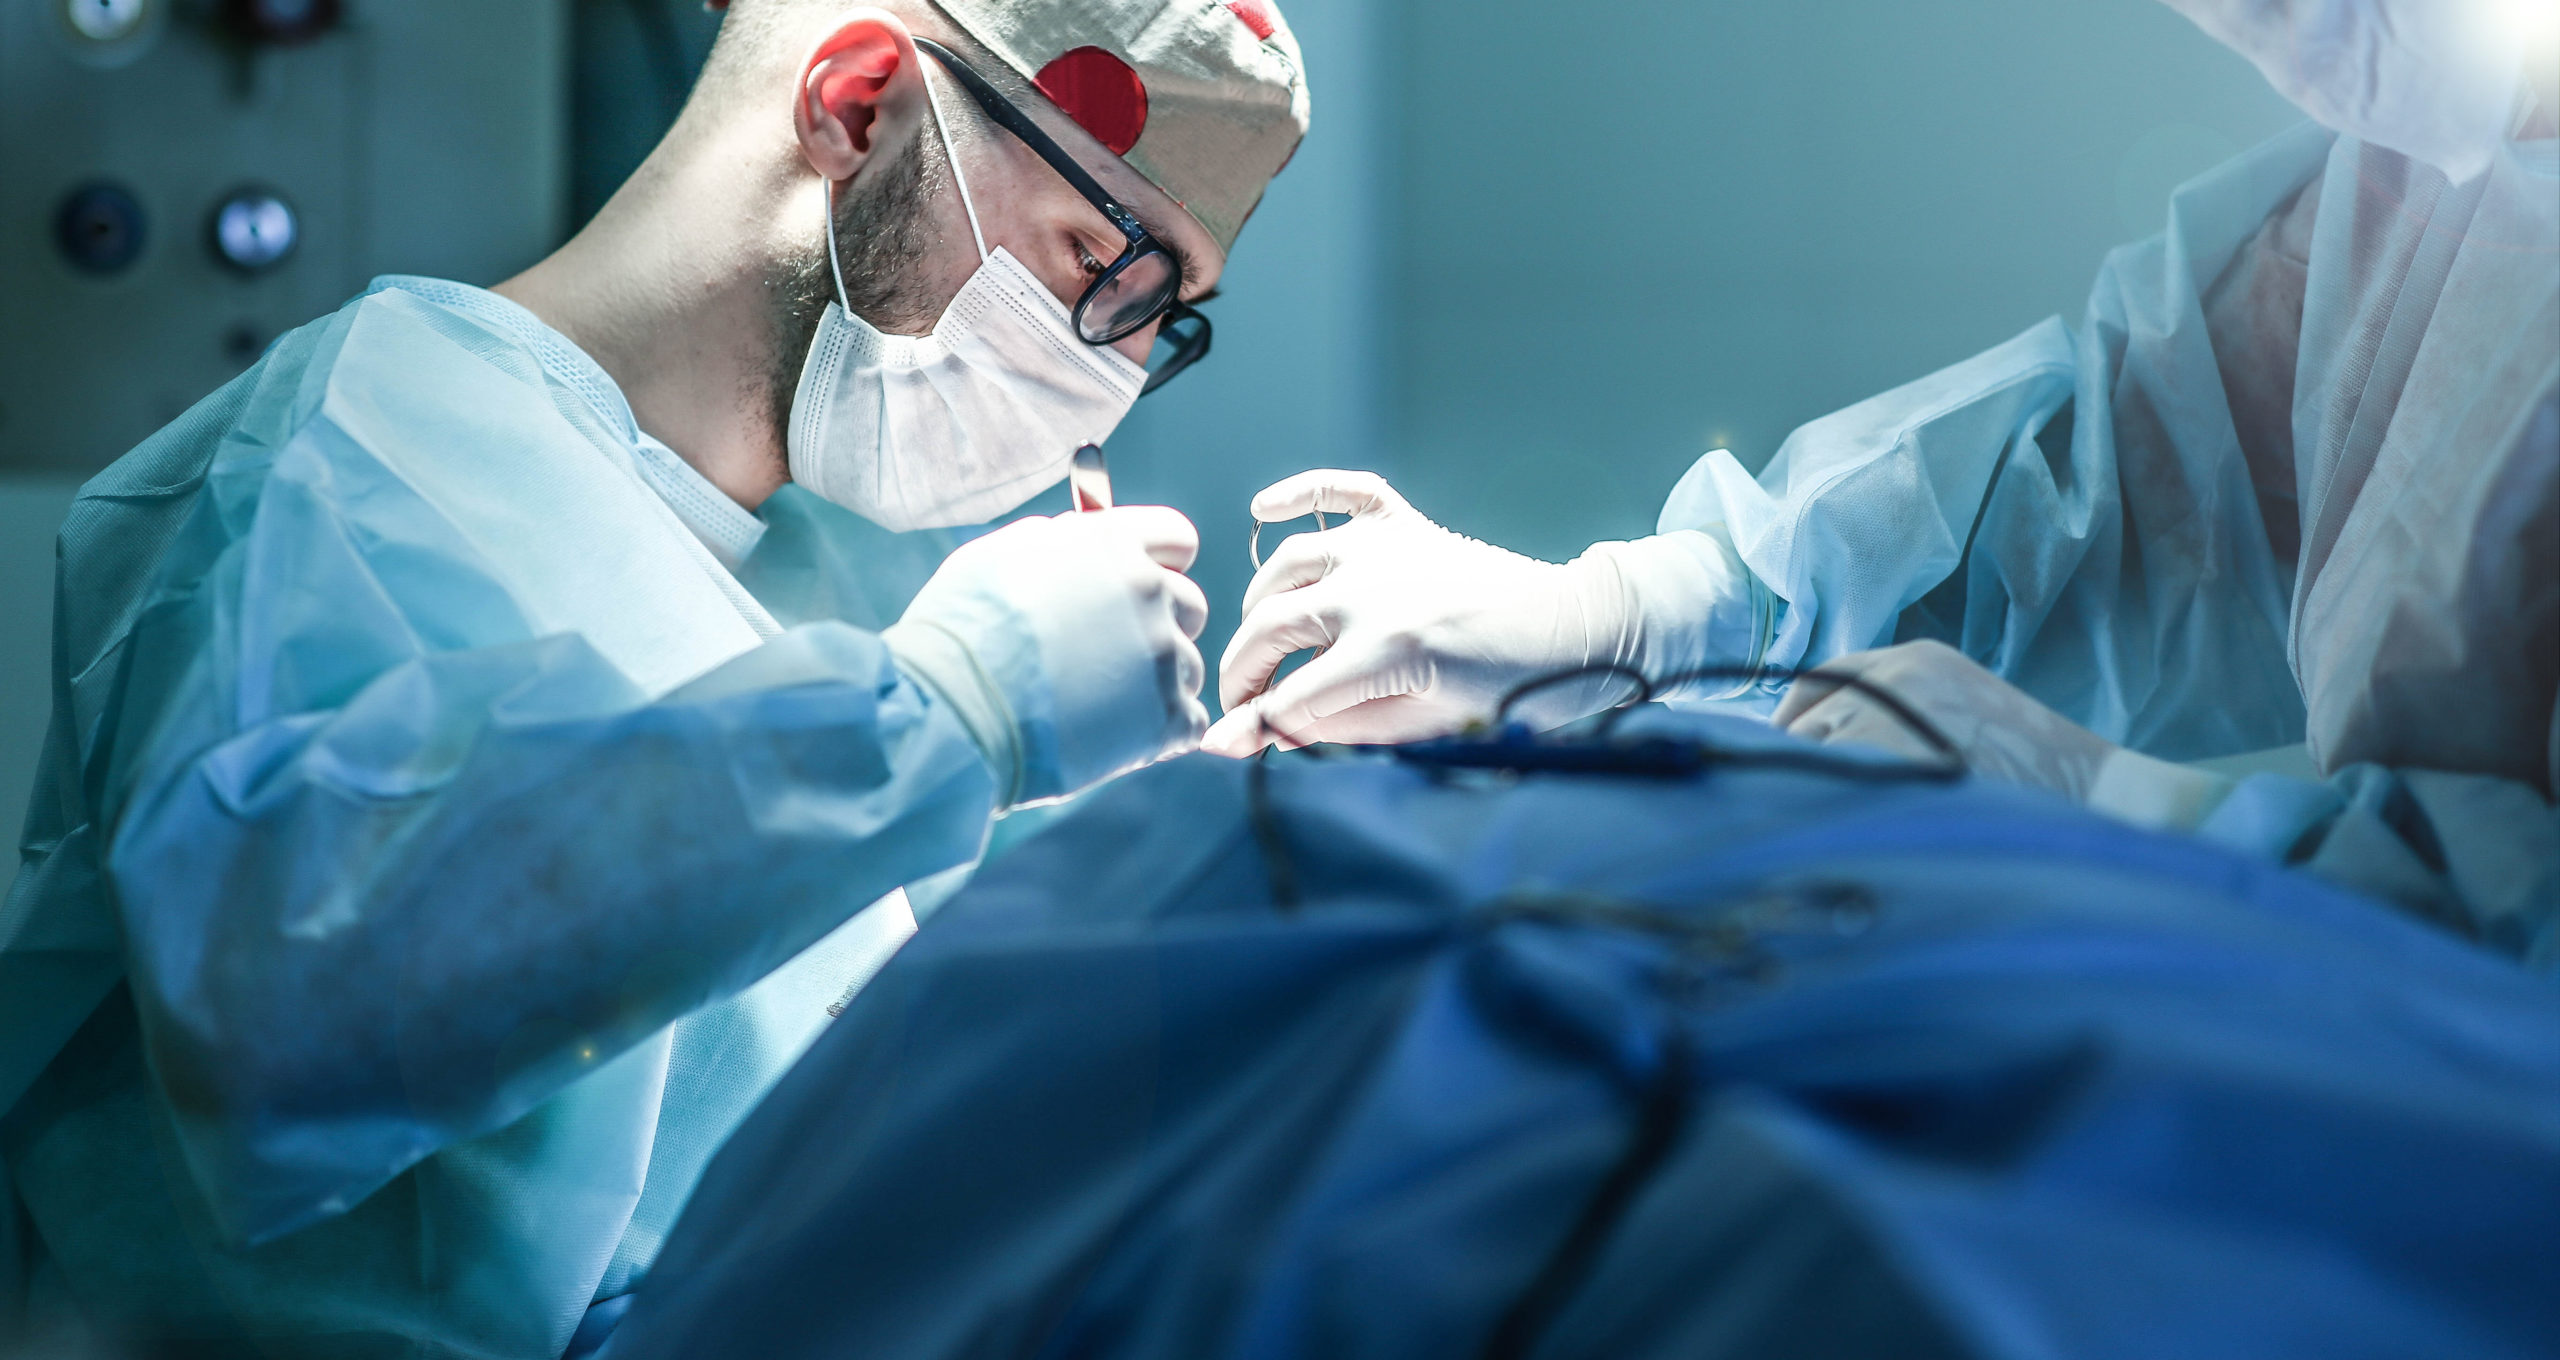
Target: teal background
[[1535, 259]]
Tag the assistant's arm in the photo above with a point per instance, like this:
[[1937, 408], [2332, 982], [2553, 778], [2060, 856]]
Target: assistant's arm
[[1422, 630], [2072, 510]]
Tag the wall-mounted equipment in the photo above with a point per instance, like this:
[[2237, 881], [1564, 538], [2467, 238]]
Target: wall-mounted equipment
[[182, 181]]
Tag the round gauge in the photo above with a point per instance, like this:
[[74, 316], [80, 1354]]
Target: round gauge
[[281, 21], [100, 228], [255, 230], [106, 21], [110, 32]]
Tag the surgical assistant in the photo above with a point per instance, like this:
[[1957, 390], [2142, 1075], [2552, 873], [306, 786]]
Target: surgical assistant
[[459, 807], [2294, 481]]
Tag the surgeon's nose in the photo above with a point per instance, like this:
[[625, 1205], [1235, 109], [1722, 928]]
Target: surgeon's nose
[[1141, 344]]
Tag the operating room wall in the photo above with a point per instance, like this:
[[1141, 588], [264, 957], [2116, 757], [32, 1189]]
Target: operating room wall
[[30, 510], [404, 137], [1629, 231]]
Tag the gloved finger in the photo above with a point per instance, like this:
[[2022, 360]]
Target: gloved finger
[[1332, 491], [1189, 726], [1243, 732], [1297, 707], [1301, 560], [1185, 718], [1190, 605], [1379, 722], [1858, 722], [1818, 708], [1270, 635], [1238, 734], [1817, 723], [1810, 690], [1396, 718], [1164, 533], [1189, 671]]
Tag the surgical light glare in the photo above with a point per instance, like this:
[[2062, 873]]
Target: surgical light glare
[[2533, 26]]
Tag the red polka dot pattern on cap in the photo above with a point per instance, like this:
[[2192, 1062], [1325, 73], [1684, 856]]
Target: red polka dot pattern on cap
[[1100, 92], [1257, 16]]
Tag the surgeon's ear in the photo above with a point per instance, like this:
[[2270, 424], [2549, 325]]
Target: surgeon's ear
[[859, 91]]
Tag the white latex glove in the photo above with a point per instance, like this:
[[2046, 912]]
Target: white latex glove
[[1420, 630], [1067, 646], [2001, 732]]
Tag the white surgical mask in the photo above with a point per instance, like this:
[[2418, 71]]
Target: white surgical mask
[[2438, 81], [960, 426]]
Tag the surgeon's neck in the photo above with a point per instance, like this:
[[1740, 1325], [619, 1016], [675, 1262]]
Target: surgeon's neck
[[667, 289]]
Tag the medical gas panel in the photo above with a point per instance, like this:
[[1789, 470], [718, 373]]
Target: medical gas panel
[[181, 181]]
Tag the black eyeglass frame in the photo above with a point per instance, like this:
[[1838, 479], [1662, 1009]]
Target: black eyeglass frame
[[1185, 327]]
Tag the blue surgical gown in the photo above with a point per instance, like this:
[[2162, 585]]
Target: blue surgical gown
[[451, 822], [2294, 481]]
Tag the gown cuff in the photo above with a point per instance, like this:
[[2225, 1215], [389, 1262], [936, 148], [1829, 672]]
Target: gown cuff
[[936, 659], [2153, 793], [1689, 603]]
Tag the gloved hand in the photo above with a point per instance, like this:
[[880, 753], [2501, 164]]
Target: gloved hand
[[1067, 646], [1421, 630], [2001, 732]]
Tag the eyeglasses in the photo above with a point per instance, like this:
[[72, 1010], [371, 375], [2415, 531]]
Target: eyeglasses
[[1143, 285]]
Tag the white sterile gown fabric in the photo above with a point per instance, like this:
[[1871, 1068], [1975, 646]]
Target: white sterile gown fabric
[[440, 845], [2295, 480]]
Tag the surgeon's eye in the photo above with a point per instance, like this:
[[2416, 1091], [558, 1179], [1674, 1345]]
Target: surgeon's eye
[[1086, 261]]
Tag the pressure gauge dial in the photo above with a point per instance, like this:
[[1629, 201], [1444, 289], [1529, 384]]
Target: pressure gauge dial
[[255, 230], [110, 32], [100, 228], [106, 21]]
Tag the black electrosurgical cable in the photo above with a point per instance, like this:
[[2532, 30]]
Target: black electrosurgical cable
[[1286, 891], [1650, 688], [1265, 821], [1659, 1121], [1663, 1111]]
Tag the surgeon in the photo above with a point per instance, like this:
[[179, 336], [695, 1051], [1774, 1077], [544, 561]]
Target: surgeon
[[467, 778], [2295, 483]]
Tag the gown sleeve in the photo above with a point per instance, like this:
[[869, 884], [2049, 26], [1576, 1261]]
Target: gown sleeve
[[2073, 509], [2107, 518], [393, 864], [2475, 853]]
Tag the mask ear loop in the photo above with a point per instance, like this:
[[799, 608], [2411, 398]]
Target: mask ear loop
[[950, 156], [835, 269]]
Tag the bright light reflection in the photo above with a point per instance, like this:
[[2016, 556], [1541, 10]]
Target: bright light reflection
[[2533, 25]]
